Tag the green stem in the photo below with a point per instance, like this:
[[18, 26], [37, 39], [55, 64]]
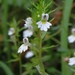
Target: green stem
[[40, 55], [15, 42], [20, 63], [64, 35], [16, 47], [42, 69]]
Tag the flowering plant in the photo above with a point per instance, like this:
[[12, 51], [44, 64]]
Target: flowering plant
[[37, 29]]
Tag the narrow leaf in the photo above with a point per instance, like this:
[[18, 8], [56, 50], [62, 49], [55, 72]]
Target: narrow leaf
[[43, 35], [48, 5], [13, 60], [45, 48], [6, 68], [52, 11]]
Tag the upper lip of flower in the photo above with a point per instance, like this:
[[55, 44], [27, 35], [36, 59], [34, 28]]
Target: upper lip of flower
[[45, 16], [24, 46], [25, 40], [28, 23]]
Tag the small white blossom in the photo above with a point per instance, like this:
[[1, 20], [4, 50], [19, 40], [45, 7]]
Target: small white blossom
[[11, 31], [24, 46], [71, 38], [29, 54], [28, 22], [72, 61], [43, 24], [28, 32]]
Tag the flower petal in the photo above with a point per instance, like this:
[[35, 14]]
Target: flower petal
[[43, 27], [27, 33], [28, 23], [11, 31], [72, 61], [71, 39], [22, 48], [29, 54]]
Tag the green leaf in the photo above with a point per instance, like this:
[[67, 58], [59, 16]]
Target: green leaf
[[48, 5], [38, 68], [43, 35], [14, 55], [34, 5], [52, 11], [28, 66], [45, 58], [52, 19], [54, 71], [30, 9], [13, 60], [35, 41], [21, 29], [6, 68], [34, 48], [45, 48], [35, 61]]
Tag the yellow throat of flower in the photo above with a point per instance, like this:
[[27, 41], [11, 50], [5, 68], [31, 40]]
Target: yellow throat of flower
[[43, 21], [73, 35]]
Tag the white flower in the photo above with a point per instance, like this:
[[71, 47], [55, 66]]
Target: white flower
[[71, 38], [11, 31], [29, 54], [24, 46], [28, 32], [28, 22], [73, 31], [72, 61], [43, 24]]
